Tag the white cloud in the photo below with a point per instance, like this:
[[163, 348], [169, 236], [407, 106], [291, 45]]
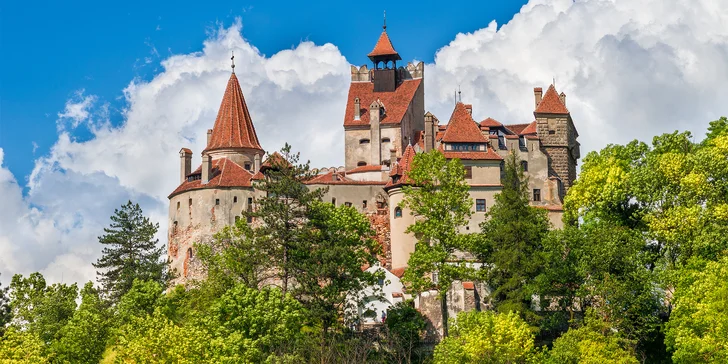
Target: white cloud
[[631, 69]]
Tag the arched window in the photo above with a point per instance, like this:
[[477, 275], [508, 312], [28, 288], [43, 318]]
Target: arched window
[[361, 164], [524, 166], [363, 141], [397, 212], [385, 140], [189, 253], [174, 228]]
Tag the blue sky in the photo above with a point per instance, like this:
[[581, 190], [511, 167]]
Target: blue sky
[[51, 49]]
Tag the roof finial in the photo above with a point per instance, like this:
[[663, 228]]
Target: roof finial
[[232, 59], [554, 81], [460, 94], [385, 21]]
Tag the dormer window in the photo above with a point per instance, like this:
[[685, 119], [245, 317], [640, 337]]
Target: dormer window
[[363, 141], [247, 166], [361, 164], [522, 143]]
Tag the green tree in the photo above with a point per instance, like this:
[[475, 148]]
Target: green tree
[[141, 300], [405, 326], [131, 252], [281, 213], [19, 346], [512, 244], [441, 201], [593, 343], [41, 309], [487, 337], [698, 328], [337, 242], [83, 338], [5, 311]]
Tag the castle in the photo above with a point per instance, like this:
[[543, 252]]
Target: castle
[[385, 125]]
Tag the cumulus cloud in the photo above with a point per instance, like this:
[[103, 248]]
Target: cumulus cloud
[[631, 69]]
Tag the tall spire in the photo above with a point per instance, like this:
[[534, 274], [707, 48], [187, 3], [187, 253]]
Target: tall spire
[[232, 59], [384, 50], [233, 127], [385, 21]]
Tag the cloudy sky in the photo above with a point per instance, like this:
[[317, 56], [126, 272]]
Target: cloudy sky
[[71, 150]]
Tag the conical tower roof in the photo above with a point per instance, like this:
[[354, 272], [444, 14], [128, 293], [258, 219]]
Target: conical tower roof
[[384, 48], [233, 126]]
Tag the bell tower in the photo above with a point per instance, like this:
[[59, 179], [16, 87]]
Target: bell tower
[[385, 60]]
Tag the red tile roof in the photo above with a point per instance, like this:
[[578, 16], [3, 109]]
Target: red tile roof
[[397, 294], [530, 129], [516, 128], [186, 150], [372, 168], [395, 103], [462, 128], [468, 285], [233, 126], [551, 103], [225, 173], [384, 47], [328, 179], [491, 123], [399, 271], [402, 167], [274, 159]]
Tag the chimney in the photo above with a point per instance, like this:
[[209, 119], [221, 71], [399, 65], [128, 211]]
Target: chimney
[[429, 132], [256, 163], [562, 97], [209, 136], [375, 141], [357, 109], [206, 168], [185, 164], [469, 107], [537, 93]]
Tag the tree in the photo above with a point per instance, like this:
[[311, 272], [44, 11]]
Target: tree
[[405, 327], [281, 213], [41, 309], [5, 312], [487, 337], [337, 242], [512, 244], [83, 338], [441, 201], [21, 347], [130, 252], [593, 343], [698, 328]]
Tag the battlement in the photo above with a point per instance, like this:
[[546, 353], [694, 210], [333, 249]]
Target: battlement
[[410, 72]]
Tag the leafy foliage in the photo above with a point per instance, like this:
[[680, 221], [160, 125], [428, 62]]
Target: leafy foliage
[[41, 309], [698, 328], [487, 337], [590, 344], [83, 338], [512, 243], [18, 346], [5, 311], [439, 198], [131, 252]]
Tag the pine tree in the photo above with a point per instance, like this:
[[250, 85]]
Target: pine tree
[[512, 243], [131, 252]]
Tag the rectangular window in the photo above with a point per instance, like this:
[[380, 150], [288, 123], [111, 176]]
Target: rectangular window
[[190, 202], [364, 204], [333, 201], [250, 205], [536, 194], [217, 201], [235, 199], [250, 219], [347, 204], [468, 172], [177, 205], [480, 205]]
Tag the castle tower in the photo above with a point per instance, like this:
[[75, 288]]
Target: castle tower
[[216, 193], [558, 135], [385, 108]]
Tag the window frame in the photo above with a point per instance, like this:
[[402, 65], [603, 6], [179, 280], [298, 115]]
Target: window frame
[[478, 205], [536, 195]]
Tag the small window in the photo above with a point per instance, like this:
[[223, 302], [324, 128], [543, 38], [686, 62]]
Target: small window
[[480, 205], [174, 227], [217, 202], [386, 162], [468, 172], [347, 204], [178, 205], [247, 165], [524, 166], [363, 141], [190, 202], [364, 204], [250, 200], [522, 143], [536, 194], [551, 132], [397, 212], [189, 253], [333, 201], [385, 140], [235, 199], [249, 219], [361, 164]]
